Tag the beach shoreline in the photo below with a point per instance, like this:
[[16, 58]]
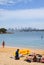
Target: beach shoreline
[[10, 48], [6, 55]]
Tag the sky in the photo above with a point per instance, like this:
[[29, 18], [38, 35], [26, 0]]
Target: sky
[[22, 13]]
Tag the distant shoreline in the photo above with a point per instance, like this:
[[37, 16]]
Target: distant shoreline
[[22, 31], [7, 33]]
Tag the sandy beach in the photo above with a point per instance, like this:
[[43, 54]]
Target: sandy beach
[[7, 57]]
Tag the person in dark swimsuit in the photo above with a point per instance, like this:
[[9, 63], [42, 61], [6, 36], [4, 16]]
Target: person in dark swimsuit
[[17, 54]]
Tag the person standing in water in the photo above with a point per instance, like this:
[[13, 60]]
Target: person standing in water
[[42, 37], [3, 44]]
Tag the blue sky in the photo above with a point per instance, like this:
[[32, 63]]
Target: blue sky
[[22, 13]]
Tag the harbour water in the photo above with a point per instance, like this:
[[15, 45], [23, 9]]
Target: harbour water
[[24, 39]]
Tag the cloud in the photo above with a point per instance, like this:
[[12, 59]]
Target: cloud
[[22, 15], [28, 13], [34, 17], [25, 1], [6, 2]]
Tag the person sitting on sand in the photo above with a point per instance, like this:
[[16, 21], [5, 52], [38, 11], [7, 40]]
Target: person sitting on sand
[[17, 54], [35, 58], [3, 44]]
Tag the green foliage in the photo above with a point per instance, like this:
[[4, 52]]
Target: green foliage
[[3, 30]]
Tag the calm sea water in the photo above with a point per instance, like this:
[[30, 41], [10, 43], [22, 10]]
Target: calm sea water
[[24, 39]]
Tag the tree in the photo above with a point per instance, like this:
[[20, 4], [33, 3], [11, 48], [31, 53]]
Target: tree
[[3, 30]]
